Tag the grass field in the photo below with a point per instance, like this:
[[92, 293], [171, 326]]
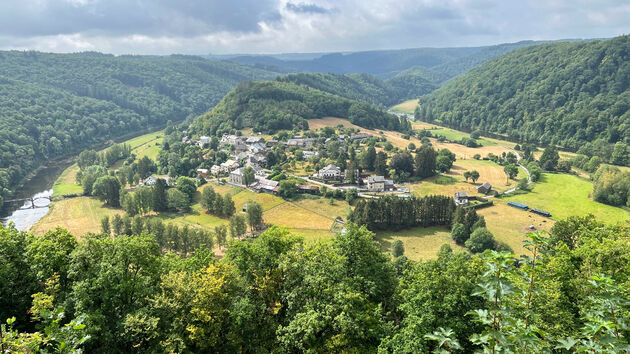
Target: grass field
[[511, 225], [420, 243], [78, 215], [406, 107], [454, 135], [293, 216], [565, 195], [67, 189]]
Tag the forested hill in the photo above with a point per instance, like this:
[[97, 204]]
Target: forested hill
[[360, 87], [575, 95], [365, 87], [400, 74], [272, 106], [54, 104]]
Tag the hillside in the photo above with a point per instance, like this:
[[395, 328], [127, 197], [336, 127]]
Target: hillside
[[432, 64], [576, 95], [360, 87], [368, 88], [271, 106], [52, 105], [388, 77]]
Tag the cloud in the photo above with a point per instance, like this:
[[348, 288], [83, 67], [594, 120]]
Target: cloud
[[306, 8], [273, 26]]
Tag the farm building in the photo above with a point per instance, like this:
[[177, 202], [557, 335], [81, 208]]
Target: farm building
[[541, 212], [518, 205], [303, 188], [484, 188], [461, 198], [203, 172]]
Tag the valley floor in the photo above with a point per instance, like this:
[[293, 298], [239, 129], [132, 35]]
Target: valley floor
[[313, 217]]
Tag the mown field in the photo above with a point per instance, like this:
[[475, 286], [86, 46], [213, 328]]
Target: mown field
[[420, 243], [406, 107], [565, 195], [79, 215]]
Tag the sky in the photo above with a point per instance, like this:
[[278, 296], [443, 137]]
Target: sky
[[296, 26]]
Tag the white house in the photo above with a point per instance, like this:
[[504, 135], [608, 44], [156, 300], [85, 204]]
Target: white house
[[379, 184], [230, 139], [204, 140], [236, 176], [150, 181], [309, 154], [461, 198], [330, 172], [229, 165]]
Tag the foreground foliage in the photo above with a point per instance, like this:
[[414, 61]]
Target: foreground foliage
[[278, 293]]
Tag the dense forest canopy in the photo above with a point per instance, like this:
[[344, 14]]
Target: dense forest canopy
[[131, 292], [575, 95], [272, 106], [360, 87], [52, 105], [367, 88]]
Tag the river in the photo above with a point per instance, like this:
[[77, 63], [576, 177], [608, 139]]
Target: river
[[39, 188]]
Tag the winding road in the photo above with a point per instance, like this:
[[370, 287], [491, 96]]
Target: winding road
[[529, 176]]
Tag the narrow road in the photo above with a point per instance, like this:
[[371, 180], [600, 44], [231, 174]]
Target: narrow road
[[529, 176]]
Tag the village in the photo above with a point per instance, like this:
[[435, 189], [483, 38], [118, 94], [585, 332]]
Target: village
[[246, 167]]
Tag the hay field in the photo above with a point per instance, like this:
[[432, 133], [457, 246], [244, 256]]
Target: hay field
[[511, 225], [79, 215], [406, 107], [420, 243]]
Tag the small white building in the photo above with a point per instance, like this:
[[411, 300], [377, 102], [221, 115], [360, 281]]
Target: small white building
[[330, 172], [461, 198], [309, 154], [150, 181], [203, 172], [215, 169], [203, 140], [254, 140], [236, 176], [379, 184], [229, 166], [230, 139]]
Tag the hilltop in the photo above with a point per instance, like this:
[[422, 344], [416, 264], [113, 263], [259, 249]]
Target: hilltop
[[575, 95], [272, 106]]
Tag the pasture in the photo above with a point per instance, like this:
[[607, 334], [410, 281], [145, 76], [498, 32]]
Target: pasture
[[406, 107], [420, 243], [565, 195], [79, 215]]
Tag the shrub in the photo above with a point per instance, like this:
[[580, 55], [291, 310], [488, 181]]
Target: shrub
[[398, 249], [480, 240], [459, 233]]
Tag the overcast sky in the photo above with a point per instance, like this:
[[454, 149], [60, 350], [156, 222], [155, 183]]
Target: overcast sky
[[281, 26]]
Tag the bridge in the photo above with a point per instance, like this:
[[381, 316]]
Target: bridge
[[32, 200]]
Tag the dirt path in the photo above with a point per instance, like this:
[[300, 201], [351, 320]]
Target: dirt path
[[529, 176]]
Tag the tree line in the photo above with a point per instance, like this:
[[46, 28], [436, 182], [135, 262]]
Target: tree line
[[278, 293], [394, 213]]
